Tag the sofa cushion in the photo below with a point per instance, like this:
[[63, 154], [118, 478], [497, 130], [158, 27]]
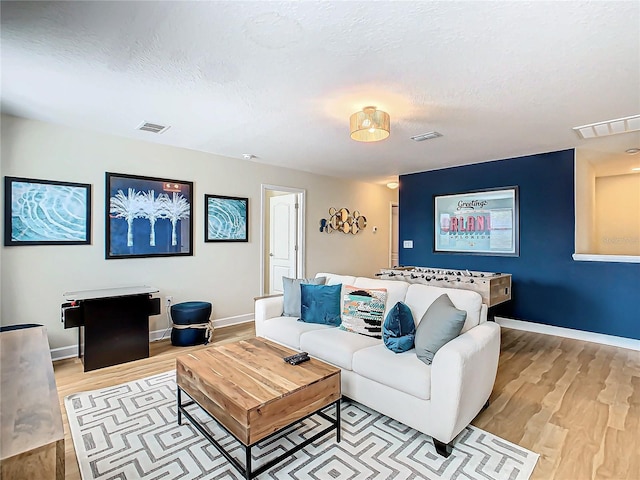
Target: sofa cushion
[[399, 329], [287, 330], [320, 304], [419, 297], [291, 290], [402, 371], [396, 289], [335, 346], [333, 279], [441, 323], [363, 310]]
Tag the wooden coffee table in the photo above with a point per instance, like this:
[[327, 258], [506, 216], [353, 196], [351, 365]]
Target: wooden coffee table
[[253, 394]]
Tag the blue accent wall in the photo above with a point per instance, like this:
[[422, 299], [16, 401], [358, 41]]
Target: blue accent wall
[[548, 286]]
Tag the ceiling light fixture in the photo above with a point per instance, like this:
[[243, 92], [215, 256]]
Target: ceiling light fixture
[[393, 185], [637, 169], [632, 151], [369, 125]]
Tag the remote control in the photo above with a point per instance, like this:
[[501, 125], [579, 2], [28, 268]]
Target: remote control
[[297, 355], [287, 359], [296, 361]]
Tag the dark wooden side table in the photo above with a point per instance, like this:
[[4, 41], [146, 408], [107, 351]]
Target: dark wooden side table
[[113, 324]]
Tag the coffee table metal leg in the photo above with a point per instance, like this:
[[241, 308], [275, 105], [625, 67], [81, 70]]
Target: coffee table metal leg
[[179, 406], [246, 468], [338, 420], [247, 464]]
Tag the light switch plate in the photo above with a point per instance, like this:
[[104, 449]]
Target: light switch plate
[[407, 244]]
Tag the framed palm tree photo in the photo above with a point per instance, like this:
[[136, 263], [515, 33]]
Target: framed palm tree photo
[[148, 217]]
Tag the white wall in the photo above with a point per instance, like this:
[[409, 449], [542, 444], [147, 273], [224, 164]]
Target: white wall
[[33, 278], [585, 206], [618, 215]]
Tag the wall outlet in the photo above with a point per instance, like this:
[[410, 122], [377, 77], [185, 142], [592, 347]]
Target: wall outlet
[[407, 244], [168, 300]]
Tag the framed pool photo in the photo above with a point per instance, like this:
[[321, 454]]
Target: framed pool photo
[[148, 216], [226, 219], [46, 212], [482, 222]]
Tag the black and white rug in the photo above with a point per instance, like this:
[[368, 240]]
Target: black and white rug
[[130, 431]]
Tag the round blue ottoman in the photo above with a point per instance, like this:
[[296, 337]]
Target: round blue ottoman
[[190, 323]]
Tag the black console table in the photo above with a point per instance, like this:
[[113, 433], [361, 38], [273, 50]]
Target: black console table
[[114, 321]]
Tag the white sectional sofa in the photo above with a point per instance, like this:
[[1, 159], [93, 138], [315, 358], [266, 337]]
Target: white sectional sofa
[[438, 399]]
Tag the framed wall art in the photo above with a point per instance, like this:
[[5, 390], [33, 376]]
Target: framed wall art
[[226, 219], [46, 212], [148, 217], [484, 222]]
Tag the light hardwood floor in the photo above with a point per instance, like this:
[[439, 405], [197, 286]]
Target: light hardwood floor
[[575, 403]]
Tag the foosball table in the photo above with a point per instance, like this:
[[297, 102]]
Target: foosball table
[[494, 288]]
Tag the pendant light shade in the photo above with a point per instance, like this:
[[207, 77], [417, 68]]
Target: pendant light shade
[[369, 125]]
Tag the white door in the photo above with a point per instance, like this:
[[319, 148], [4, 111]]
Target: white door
[[282, 240]]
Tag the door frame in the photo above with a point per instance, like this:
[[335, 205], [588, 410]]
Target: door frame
[[391, 205], [264, 229]]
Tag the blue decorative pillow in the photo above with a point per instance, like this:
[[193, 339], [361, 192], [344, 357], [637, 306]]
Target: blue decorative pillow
[[320, 304], [399, 329]]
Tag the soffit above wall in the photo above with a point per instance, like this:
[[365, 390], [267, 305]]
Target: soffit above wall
[[608, 155]]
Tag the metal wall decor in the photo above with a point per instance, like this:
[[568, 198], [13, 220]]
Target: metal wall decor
[[344, 221]]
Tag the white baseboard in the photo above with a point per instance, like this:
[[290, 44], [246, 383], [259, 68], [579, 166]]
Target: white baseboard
[[64, 352], [72, 350], [159, 334], [228, 321], [612, 340]]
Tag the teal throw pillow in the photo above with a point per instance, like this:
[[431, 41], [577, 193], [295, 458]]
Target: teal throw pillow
[[291, 289], [441, 323], [320, 304], [399, 329]]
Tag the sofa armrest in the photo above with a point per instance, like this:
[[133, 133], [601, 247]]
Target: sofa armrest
[[265, 308], [462, 376], [255, 299], [484, 310]]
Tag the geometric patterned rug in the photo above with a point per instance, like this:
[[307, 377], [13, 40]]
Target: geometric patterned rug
[[130, 431]]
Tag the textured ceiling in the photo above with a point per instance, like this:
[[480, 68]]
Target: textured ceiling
[[279, 79]]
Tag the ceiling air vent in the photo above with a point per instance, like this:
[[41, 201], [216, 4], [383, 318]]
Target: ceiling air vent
[[610, 127], [152, 127], [426, 136]]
